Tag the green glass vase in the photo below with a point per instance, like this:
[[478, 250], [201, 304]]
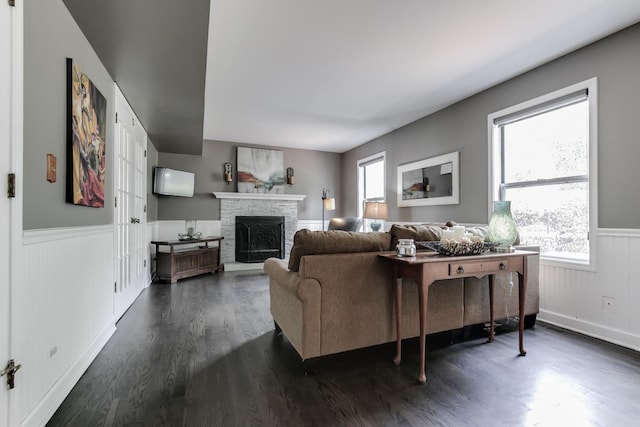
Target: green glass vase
[[502, 227]]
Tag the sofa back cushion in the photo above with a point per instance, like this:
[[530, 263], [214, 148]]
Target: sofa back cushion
[[433, 231], [417, 232], [307, 242]]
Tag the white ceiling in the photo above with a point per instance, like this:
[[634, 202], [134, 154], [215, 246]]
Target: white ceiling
[[330, 75]]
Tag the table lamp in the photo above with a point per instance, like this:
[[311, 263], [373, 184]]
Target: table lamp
[[375, 211]]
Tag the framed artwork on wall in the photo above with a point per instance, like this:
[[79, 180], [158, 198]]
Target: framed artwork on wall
[[433, 181], [260, 171], [86, 139]]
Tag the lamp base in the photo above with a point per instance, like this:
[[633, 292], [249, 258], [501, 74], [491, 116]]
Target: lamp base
[[375, 226], [502, 249]]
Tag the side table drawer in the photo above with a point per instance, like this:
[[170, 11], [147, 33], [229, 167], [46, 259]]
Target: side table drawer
[[465, 268]]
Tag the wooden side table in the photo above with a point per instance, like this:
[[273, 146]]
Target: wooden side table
[[185, 261], [427, 267]]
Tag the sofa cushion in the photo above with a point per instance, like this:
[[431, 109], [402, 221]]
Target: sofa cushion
[[417, 232], [307, 242], [433, 231], [478, 230]]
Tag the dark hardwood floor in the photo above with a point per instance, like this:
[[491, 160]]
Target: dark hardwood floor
[[203, 353]]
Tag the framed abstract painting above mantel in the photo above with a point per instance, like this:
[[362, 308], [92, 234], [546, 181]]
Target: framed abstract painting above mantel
[[428, 182], [260, 171], [86, 139]]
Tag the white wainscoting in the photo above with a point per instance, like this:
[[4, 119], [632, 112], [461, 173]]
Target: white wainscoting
[[64, 299], [169, 229], [311, 224], [574, 298]]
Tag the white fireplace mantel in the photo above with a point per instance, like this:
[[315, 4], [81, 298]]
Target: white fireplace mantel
[[258, 196]]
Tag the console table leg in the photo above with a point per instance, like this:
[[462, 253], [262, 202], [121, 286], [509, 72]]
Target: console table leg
[[522, 291], [491, 323], [423, 301], [398, 297]]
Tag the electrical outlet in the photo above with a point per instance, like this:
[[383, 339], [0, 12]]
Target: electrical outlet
[[608, 305]]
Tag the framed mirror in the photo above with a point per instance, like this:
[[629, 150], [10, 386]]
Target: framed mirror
[[433, 181]]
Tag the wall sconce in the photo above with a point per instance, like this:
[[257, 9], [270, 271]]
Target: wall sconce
[[228, 173], [328, 203], [375, 211], [290, 177]]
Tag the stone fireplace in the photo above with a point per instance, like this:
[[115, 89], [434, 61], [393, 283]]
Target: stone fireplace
[[233, 205]]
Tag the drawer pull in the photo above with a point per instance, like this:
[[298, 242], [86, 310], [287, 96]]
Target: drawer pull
[[460, 269], [502, 266]]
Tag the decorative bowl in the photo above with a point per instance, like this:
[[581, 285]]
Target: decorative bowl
[[456, 248]]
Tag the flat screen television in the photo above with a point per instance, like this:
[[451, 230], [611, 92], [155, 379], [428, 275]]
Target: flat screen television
[[171, 182]]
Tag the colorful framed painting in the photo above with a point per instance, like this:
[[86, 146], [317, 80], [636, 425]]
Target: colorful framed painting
[[86, 139], [260, 171]]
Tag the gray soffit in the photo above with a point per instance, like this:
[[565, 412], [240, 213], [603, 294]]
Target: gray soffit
[[156, 51]]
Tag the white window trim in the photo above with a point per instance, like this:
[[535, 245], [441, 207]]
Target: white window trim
[[362, 162], [494, 163]]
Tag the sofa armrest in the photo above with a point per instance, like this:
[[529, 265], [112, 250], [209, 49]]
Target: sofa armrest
[[303, 288], [277, 270], [295, 306]]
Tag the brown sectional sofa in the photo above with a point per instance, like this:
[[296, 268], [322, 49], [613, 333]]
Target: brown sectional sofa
[[335, 293]]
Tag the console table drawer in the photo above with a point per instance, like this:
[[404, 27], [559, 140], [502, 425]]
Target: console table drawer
[[477, 266]]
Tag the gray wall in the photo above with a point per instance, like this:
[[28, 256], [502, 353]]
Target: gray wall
[[615, 61], [152, 200], [50, 37], [314, 170]]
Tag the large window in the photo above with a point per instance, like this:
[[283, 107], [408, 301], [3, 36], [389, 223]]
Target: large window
[[371, 182], [543, 154]]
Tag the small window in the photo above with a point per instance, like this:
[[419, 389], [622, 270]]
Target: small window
[[371, 182], [543, 156]]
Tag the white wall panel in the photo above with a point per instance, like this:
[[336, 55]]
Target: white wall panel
[[574, 298], [66, 312], [169, 230], [310, 224]]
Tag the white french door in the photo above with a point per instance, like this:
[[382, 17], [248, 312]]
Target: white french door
[[5, 205], [10, 208], [130, 190]]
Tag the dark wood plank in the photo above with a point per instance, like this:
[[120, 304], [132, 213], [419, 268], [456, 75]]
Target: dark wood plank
[[204, 353]]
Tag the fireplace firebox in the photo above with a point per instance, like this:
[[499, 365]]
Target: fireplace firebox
[[259, 238]]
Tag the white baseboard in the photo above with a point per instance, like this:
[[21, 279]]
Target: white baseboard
[[63, 386], [615, 336]]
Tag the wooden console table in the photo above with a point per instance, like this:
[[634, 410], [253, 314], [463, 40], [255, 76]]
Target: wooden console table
[[187, 261], [427, 267]]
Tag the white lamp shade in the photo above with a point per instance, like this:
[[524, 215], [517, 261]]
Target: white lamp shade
[[375, 210], [330, 204]]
